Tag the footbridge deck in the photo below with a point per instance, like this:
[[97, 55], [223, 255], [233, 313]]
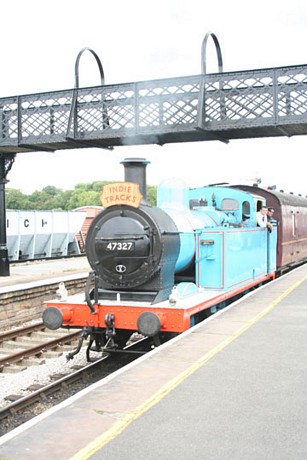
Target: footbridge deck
[[220, 106]]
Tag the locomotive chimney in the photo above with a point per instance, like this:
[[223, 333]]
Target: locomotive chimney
[[135, 171]]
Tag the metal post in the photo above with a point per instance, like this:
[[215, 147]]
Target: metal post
[[6, 162], [73, 116], [204, 53]]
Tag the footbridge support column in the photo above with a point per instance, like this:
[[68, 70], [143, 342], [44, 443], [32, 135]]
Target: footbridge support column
[[6, 162]]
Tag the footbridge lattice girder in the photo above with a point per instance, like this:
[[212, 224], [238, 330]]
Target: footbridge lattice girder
[[221, 106]]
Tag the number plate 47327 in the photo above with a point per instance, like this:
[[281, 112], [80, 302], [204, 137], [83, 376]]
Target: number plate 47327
[[120, 246]]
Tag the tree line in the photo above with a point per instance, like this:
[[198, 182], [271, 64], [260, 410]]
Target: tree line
[[53, 198]]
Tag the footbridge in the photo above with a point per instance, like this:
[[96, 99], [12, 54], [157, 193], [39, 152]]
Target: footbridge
[[221, 106], [205, 107]]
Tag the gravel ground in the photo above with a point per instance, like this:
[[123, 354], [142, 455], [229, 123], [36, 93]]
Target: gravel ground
[[18, 382]]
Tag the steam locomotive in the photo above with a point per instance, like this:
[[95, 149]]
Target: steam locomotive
[[161, 269]]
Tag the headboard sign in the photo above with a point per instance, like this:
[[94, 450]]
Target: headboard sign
[[117, 193]]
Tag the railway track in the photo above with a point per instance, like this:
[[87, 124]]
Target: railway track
[[39, 399], [25, 346]]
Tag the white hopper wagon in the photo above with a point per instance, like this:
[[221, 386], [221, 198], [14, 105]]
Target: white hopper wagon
[[42, 234]]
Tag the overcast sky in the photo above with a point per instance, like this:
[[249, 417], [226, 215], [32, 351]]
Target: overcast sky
[[143, 40]]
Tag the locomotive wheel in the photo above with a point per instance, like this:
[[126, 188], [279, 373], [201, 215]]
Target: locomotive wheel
[[100, 342], [122, 338], [166, 336]]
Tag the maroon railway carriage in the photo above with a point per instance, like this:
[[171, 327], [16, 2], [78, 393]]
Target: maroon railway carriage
[[291, 215]]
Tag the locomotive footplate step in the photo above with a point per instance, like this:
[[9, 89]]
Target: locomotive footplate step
[[230, 387]]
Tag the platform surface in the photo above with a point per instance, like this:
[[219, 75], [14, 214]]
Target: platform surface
[[233, 387], [42, 270]]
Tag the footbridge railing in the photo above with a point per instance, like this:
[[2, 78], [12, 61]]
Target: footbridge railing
[[247, 104]]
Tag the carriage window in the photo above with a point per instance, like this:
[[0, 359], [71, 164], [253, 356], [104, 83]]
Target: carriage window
[[293, 225], [229, 204]]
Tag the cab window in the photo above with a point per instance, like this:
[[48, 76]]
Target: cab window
[[246, 209]]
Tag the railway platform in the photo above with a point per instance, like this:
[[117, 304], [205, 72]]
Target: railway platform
[[23, 293], [40, 270], [233, 387]]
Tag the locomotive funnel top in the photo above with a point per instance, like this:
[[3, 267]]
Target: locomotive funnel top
[[135, 171]]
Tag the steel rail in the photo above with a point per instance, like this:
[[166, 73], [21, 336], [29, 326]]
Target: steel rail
[[13, 413], [20, 331], [37, 349]]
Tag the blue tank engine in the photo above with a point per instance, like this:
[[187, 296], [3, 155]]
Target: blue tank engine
[[157, 269]]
